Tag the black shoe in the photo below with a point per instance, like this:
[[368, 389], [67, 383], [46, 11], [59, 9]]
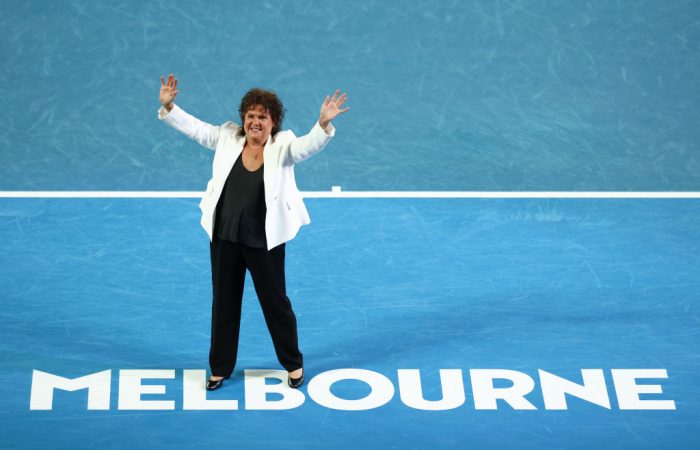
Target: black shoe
[[296, 383], [214, 385]]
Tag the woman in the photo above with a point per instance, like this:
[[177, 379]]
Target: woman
[[251, 207]]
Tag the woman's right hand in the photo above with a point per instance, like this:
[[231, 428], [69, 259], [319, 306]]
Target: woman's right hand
[[168, 91]]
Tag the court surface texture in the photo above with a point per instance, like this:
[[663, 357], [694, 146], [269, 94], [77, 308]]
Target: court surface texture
[[461, 289], [379, 285]]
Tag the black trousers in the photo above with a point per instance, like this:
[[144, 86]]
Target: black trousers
[[229, 262]]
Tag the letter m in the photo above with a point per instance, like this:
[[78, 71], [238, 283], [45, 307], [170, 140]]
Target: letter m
[[43, 384]]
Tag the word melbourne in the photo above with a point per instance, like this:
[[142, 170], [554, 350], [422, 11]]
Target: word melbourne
[[267, 390]]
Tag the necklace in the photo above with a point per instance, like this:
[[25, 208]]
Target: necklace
[[251, 157], [254, 152]]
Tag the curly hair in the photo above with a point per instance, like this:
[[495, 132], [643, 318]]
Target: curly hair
[[268, 100]]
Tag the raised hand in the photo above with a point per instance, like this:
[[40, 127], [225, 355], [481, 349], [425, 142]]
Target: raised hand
[[168, 91], [331, 108]]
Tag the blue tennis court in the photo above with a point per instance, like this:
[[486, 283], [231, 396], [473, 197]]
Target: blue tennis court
[[426, 321], [379, 285]]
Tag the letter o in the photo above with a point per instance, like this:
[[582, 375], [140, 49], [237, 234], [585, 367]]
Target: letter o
[[320, 389]]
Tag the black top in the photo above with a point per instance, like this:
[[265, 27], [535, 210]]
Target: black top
[[240, 213]]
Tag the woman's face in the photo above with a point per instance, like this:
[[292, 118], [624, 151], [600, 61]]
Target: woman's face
[[258, 124]]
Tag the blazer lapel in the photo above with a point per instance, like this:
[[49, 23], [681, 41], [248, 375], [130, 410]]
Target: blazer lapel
[[270, 172]]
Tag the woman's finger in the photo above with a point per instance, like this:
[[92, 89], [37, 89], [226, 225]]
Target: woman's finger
[[162, 81]]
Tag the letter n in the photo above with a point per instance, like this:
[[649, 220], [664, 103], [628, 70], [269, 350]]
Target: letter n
[[555, 389]]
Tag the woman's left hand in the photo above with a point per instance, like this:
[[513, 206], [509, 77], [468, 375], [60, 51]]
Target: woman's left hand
[[331, 108]]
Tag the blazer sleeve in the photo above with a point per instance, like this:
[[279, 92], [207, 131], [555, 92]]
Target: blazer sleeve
[[301, 148], [201, 132]]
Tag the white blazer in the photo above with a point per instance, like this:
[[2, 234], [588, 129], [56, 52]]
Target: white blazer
[[286, 212]]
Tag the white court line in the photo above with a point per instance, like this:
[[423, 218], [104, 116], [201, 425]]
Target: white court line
[[497, 194], [100, 194], [337, 193]]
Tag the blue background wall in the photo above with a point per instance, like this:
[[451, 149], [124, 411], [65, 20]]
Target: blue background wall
[[461, 95]]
